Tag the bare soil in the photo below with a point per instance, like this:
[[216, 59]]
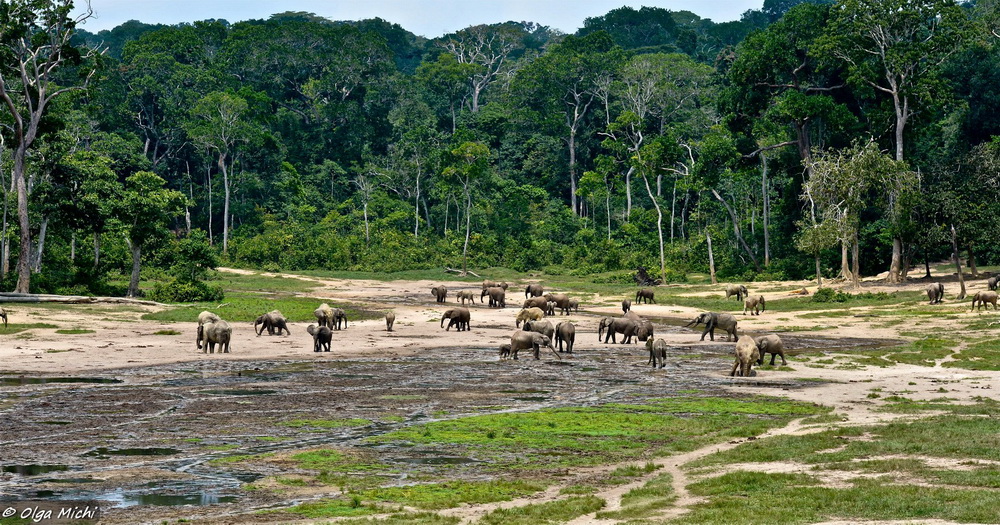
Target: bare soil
[[210, 406]]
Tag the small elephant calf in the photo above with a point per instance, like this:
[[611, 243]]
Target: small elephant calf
[[390, 319], [322, 336], [770, 344], [657, 352], [505, 351], [754, 304]]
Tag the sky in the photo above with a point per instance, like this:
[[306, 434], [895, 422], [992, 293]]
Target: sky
[[429, 18]]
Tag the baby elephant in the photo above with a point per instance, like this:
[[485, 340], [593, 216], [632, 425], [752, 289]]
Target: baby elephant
[[390, 318], [565, 333], [322, 336], [754, 304], [984, 299], [746, 355], [626, 306], [272, 321], [3, 315], [992, 283], [770, 344], [657, 352], [505, 351], [935, 293]]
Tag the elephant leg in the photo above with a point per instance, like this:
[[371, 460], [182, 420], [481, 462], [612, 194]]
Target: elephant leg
[[736, 365]]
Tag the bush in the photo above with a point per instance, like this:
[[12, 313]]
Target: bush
[[185, 292], [829, 295]]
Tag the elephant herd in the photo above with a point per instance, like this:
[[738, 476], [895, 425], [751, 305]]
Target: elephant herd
[[935, 294]]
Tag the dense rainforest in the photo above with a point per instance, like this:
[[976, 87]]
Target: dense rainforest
[[805, 140]]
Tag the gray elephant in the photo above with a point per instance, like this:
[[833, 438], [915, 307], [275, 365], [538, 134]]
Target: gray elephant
[[271, 321], [550, 308], [991, 283], [390, 319], [324, 315], [465, 296], [746, 355], [498, 297], [561, 300], [657, 352], [620, 325], [504, 351], [626, 306], [645, 330], [493, 284], [528, 314], [754, 304], [534, 290], [543, 327], [713, 320], [459, 316], [440, 293], [935, 292], [645, 294], [574, 305], [3, 315], [566, 333], [522, 340], [204, 318], [337, 317], [535, 302], [738, 290], [322, 336], [984, 299], [215, 333], [770, 344]]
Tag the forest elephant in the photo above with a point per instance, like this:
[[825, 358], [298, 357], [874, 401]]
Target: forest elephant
[[984, 299], [991, 283], [754, 304], [935, 292], [645, 294], [770, 344], [204, 318], [565, 333], [738, 290], [626, 306], [535, 302], [497, 297], [322, 336], [522, 340], [713, 320], [324, 315], [504, 351], [561, 300], [271, 321], [390, 319], [465, 296], [337, 316], [440, 293], [528, 314], [542, 327], [3, 315], [657, 352], [533, 290], [459, 316], [617, 325], [550, 308], [493, 284], [645, 330], [574, 305], [746, 355], [215, 333]]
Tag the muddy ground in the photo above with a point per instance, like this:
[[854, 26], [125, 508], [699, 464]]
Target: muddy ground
[[144, 416]]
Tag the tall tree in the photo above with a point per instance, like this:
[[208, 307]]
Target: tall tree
[[145, 208], [35, 46], [488, 49], [470, 167]]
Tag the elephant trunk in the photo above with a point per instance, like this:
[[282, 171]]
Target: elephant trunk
[[442, 320]]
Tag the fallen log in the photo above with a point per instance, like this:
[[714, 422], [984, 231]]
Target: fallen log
[[460, 272], [11, 297]]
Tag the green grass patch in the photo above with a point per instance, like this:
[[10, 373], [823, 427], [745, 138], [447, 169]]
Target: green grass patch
[[240, 458], [166, 332], [984, 355], [261, 283], [408, 518], [644, 501], [627, 473], [754, 497], [329, 461], [243, 306], [435, 496], [333, 508], [553, 512], [14, 328], [73, 331], [325, 423], [572, 490]]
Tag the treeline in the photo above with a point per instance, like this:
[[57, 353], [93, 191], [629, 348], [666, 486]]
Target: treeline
[[808, 137]]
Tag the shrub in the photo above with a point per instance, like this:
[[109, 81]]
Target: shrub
[[185, 292]]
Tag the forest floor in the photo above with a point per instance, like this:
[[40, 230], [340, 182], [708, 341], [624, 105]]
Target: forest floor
[[884, 412]]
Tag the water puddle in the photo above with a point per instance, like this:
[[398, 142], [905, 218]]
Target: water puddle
[[20, 381], [33, 470], [119, 498], [104, 452]]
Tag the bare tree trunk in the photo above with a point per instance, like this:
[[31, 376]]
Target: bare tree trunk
[[767, 209], [673, 208], [819, 273], [972, 261], [416, 208], [72, 248], [468, 229], [208, 174], [36, 260], [225, 206], [659, 229], [572, 169], [607, 203], [5, 246], [24, 254], [845, 262], [958, 262], [97, 250], [896, 266], [736, 228], [856, 266], [133, 284], [711, 258], [628, 193]]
